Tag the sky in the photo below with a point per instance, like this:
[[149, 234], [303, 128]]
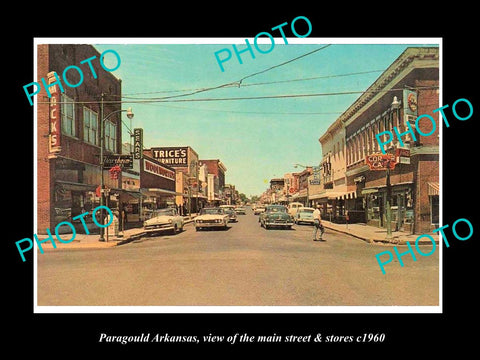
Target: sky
[[256, 139]]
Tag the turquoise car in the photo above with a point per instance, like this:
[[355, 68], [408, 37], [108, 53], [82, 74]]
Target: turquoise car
[[276, 216]]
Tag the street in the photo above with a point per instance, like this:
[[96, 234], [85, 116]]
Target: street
[[244, 265]]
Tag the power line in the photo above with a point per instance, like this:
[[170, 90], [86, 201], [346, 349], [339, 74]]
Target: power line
[[251, 112], [239, 82], [259, 83], [284, 63], [281, 96]]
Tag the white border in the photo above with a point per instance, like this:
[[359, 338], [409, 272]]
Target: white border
[[238, 309]]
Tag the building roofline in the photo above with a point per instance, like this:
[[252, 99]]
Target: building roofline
[[400, 64]]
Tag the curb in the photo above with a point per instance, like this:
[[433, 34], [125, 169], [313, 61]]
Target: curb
[[114, 241], [140, 235], [396, 239]]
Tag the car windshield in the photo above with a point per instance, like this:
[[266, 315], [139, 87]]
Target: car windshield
[[164, 212], [307, 211], [211, 211], [276, 209]]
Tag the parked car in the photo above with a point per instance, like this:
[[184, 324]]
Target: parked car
[[304, 215], [211, 217], [241, 210], [293, 207], [164, 220], [259, 209], [276, 216]]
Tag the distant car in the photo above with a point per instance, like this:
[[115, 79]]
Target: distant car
[[164, 220], [304, 215], [232, 215], [276, 216], [293, 207], [241, 210], [259, 209], [211, 217]]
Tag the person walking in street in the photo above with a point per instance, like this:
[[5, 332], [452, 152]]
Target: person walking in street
[[317, 224]]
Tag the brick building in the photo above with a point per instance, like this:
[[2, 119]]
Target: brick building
[[215, 180], [406, 90], [184, 159], [68, 134]]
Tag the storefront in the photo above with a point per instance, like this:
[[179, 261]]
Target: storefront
[[157, 186], [401, 205], [76, 191]]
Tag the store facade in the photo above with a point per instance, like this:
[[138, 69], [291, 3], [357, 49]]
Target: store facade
[[157, 185], [407, 89], [68, 138]]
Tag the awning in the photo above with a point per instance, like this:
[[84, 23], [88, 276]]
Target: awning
[[433, 188], [156, 191], [369, 191], [136, 194], [328, 195], [75, 186]]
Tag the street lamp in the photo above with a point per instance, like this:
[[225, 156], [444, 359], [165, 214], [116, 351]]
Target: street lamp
[[102, 144]]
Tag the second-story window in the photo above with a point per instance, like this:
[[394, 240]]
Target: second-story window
[[68, 116], [90, 126], [110, 136]]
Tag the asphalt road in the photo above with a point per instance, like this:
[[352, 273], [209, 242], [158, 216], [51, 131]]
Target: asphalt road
[[242, 266]]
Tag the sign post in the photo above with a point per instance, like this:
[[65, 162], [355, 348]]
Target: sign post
[[384, 162]]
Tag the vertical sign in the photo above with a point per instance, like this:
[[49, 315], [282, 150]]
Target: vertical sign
[[137, 143], [54, 116]]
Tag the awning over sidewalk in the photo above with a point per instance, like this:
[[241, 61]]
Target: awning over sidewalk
[[433, 188], [156, 191], [333, 195]]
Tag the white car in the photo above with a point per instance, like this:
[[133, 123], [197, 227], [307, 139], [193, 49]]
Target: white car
[[304, 215], [164, 220], [211, 217]]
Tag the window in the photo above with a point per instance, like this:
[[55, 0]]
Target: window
[[90, 126], [68, 116], [110, 136]]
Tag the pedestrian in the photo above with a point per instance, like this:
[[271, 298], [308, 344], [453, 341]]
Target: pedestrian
[[317, 224]]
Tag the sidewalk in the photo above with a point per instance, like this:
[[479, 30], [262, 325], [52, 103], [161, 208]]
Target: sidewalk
[[84, 241], [372, 234]]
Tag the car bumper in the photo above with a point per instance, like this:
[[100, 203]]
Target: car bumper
[[208, 224], [278, 223], [310, 221], [164, 227]]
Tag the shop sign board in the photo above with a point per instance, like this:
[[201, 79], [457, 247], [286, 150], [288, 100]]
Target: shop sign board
[[124, 161], [54, 115], [137, 143], [171, 156], [380, 161], [158, 170], [402, 155]]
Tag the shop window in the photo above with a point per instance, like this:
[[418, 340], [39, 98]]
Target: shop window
[[68, 116]]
